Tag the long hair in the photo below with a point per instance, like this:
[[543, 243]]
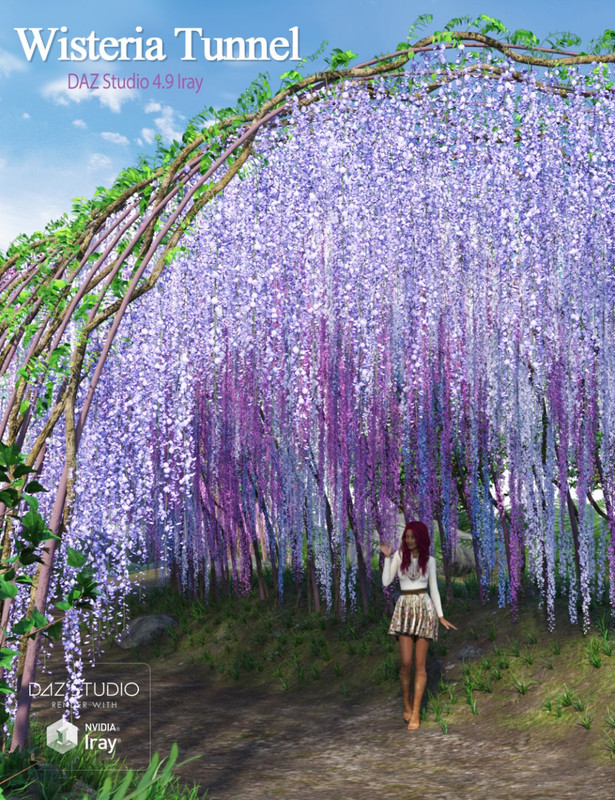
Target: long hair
[[421, 536]]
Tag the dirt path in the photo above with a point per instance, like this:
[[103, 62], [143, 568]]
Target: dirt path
[[257, 744]]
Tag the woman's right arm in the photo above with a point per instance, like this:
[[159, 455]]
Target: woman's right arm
[[391, 566]]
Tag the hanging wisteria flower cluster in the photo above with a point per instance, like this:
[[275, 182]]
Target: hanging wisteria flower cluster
[[405, 304]]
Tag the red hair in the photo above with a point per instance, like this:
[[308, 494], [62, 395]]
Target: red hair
[[421, 536]]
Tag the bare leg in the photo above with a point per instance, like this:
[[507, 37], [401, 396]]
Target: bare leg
[[406, 646], [420, 681]]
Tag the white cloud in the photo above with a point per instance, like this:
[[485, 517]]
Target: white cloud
[[113, 99], [25, 115], [42, 188], [59, 92], [99, 161], [114, 138], [9, 63], [2, 163], [79, 123], [29, 209], [148, 135], [167, 124]]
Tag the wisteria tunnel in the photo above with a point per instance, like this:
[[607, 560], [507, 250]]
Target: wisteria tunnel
[[403, 302]]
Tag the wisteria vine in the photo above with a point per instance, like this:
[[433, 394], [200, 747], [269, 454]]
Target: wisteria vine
[[404, 304], [407, 305]]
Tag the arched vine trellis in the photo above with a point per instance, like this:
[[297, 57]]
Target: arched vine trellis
[[64, 296]]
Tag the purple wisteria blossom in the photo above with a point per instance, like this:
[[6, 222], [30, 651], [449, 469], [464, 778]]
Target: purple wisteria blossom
[[405, 305]]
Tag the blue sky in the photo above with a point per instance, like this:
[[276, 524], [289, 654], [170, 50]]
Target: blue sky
[[58, 143]]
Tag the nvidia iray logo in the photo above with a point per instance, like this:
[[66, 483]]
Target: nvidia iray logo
[[62, 736]]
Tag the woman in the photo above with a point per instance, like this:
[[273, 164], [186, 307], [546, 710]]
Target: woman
[[416, 614]]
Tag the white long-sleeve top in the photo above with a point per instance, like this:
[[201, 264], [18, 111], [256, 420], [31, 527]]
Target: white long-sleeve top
[[392, 569]]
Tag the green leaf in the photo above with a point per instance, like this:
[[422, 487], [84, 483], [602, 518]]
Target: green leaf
[[75, 558], [290, 77], [24, 625], [21, 470], [54, 631], [35, 486], [57, 355], [75, 594], [31, 501], [35, 528], [9, 496], [420, 22], [444, 36], [27, 557], [458, 22], [564, 39], [7, 589], [526, 38], [9, 454], [340, 58], [491, 24], [604, 42], [6, 657], [39, 619]]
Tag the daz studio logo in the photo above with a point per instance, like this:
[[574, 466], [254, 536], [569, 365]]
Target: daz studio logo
[[62, 736]]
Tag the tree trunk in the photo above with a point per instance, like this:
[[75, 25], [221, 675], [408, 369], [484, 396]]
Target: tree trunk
[[573, 515], [360, 559], [262, 587], [27, 675], [313, 581], [446, 561], [335, 566]]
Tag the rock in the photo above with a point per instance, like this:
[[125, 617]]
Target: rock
[[142, 631], [470, 651], [463, 561]]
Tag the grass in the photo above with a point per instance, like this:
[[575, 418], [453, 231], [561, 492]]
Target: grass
[[79, 769], [602, 625], [302, 651], [567, 699], [521, 685], [290, 650], [593, 650], [586, 720], [610, 745]]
